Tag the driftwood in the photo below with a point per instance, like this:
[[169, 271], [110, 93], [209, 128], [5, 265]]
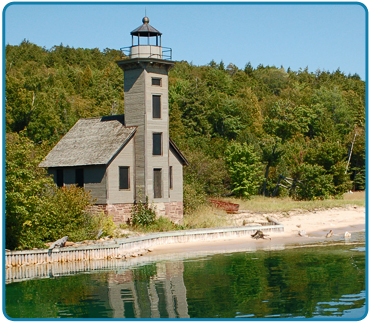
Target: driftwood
[[259, 234], [60, 242], [99, 234]]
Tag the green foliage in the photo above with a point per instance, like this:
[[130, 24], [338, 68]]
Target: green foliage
[[35, 210], [290, 117], [160, 224], [194, 196], [104, 222], [142, 214], [245, 169], [66, 214], [47, 91], [314, 183]]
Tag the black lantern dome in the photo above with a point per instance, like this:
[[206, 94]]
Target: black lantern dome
[[146, 31]]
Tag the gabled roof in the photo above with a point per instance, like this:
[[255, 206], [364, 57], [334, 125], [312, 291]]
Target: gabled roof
[[178, 152], [92, 141]]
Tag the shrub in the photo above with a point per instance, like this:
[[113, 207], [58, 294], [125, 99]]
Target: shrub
[[142, 214], [161, 224], [104, 222], [66, 214], [36, 211], [194, 196]]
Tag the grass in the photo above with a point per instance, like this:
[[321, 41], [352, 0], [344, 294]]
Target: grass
[[270, 205], [160, 224], [207, 216]]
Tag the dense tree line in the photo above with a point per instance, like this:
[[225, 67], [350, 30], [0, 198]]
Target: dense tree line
[[243, 130], [296, 125]]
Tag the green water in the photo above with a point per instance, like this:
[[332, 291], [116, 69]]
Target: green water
[[304, 282]]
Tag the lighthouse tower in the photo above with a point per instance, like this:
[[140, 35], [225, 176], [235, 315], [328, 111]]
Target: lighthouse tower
[[146, 107], [122, 159]]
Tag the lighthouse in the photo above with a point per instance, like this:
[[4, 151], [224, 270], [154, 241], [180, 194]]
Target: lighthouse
[[146, 106], [125, 159]]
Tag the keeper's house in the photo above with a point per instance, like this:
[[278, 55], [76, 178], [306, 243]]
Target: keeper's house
[[122, 159]]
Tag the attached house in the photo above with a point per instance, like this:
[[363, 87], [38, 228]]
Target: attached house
[[122, 159]]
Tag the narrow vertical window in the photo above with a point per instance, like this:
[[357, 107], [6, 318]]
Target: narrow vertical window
[[156, 102], [124, 178], [156, 81], [171, 177], [59, 178], [157, 143], [80, 177], [157, 178]]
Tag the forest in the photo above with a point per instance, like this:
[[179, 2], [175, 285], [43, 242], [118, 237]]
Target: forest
[[259, 130]]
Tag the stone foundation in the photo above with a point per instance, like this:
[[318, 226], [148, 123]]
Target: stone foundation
[[121, 212]]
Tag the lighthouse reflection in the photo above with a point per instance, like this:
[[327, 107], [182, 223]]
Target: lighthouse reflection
[[151, 291]]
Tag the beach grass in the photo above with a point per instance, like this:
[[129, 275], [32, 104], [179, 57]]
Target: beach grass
[[260, 204], [206, 216]]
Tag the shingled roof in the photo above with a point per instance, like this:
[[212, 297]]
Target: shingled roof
[[92, 141]]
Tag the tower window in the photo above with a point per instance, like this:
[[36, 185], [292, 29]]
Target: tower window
[[59, 178], [171, 177], [157, 81], [80, 178], [124, 178], [157, 180], [156, 106], [157, 143]]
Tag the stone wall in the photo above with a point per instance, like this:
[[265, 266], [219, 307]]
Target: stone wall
[[121, 213]]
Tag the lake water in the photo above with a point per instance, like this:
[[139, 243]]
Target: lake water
[[298, 282]]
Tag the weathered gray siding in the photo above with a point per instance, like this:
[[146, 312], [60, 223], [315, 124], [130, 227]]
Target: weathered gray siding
[[69, 176], [134, 82], [157, 126], [138, 112], [176, 194], [53, 172], [124, 159], [94, 180]]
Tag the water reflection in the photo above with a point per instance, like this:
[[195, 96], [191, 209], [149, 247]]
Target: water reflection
[[303, 282], [153, 291]]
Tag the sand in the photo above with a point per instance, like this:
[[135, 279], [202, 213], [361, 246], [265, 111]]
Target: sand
[[316, 224]]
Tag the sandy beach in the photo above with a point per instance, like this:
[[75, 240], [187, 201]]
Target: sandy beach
[[316, 225]]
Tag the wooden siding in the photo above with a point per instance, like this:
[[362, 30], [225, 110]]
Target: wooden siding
[[124, 159], [94, 180], [139, 112], [134, 83], [160, 125], [176, 194], [69, 175]]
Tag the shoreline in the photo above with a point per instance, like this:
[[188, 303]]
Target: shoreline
[[224, 239], [316, 224]]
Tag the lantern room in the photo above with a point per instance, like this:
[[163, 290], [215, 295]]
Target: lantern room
[[146, 42]]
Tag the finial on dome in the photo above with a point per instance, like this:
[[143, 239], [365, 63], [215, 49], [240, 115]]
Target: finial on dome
[[145, 20]]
